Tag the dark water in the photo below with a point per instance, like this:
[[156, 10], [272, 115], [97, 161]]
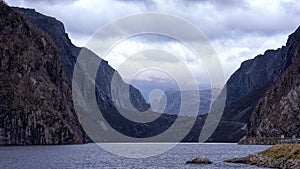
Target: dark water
[[91, 156]]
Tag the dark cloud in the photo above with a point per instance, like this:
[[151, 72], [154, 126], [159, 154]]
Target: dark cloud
[[220, 3], [291, 7], [149, 4], [51, 1], [137, 1]]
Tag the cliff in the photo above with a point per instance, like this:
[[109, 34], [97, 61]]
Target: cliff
[[70, 52], [247, 86], [277, 113], [35, 104]]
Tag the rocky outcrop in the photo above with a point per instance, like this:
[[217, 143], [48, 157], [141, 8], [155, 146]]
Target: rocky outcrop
[[249, 83], [265, 161], [277, 113], [281, 159], [199, 160], [35, 104]]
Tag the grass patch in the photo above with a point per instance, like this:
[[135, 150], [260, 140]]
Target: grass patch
[[287, 151]]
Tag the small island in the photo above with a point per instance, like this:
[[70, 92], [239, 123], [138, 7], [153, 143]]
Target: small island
[[283, 156]]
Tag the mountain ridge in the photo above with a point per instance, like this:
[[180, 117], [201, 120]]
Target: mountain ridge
[[70, 53], [277, 113], [248, 84]]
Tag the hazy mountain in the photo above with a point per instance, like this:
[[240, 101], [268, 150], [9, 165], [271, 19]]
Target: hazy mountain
[[170, 103], [147, 86], [34, 98]]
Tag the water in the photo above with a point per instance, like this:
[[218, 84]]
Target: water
[[91, 156]]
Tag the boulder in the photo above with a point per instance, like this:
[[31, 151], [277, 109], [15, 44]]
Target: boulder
[[199, 160]]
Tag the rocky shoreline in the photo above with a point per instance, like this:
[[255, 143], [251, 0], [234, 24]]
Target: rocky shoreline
[[278, 156], [260, 140], [265, 161]]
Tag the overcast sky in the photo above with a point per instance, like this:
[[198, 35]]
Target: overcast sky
[[237, 29]]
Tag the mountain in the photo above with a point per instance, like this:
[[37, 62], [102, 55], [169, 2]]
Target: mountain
[[171, 103], [277, 113], [109, 107], [248, 85], [70, 52], [34, 98]]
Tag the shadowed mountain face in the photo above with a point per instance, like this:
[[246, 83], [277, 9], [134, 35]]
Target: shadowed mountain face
[[34, 98], [69, 54], [277, 113], [248, 85]]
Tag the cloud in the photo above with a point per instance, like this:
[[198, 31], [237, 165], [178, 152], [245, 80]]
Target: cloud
[[291, 6], [50, 1], [220, 3], [238, 29], [216, 19], [146, 3]]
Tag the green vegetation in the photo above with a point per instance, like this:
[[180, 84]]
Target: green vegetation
[[287, 151]]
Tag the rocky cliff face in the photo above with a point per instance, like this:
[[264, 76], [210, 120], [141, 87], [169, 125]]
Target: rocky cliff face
[[277, 113], [35, 104], [69, 53], [249, 83]]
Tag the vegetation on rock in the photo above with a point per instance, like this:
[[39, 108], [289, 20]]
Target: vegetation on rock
[[35, 97], [287, 151]]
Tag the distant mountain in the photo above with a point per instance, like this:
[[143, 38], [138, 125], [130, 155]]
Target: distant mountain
[[248, 85], [171, 103], [147, 86], [34, 98], [278, 112]]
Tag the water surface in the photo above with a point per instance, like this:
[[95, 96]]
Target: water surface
[[91, 156]]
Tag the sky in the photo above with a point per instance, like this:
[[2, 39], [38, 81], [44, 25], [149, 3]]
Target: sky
[[237, 29]]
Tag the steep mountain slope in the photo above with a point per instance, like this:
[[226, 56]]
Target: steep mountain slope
[[278, 112], [248, 84], [35, 104], [69, 53]]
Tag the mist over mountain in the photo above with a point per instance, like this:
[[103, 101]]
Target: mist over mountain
[[147, 86], [171, 102]]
